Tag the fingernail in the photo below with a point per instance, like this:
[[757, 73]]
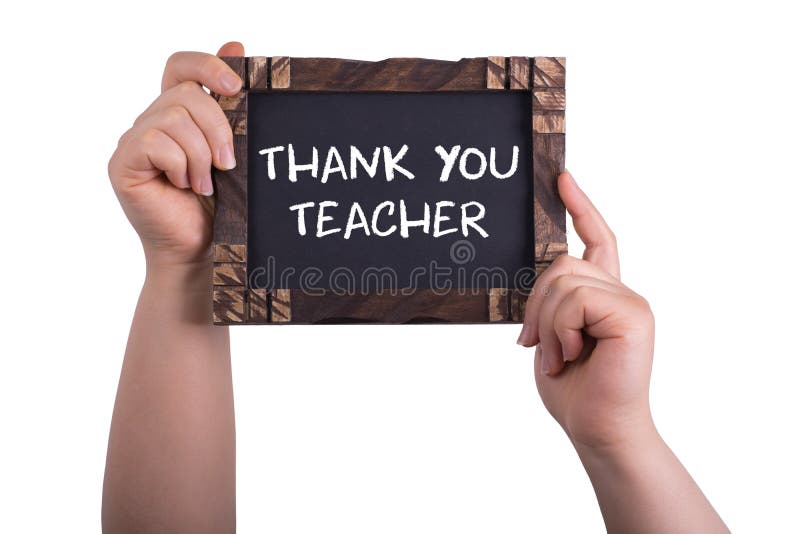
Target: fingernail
[[206, 187], [545, 365], [230, 82], [523, 335], [226, 157]]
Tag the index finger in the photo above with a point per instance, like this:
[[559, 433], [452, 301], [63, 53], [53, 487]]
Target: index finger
[[205, 69], [601, 244]]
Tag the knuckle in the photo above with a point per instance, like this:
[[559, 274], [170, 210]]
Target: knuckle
[[582, 293], [563, 261], [123, 139], [175, 114], [644, 305], [185, 88], [200, 156], [541, 288], [149, 138], [111, 167], [560, 283], [177, 57]]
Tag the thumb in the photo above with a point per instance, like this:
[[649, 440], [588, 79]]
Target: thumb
[[232, 48]]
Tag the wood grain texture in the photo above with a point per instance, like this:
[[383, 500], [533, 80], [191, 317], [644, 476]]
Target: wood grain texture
[[238, 122], [227, 252], [423, 306], [546, 254], [498, 305], [517, 305], [281, 72], [281, 306], [230, 274], [230, 220], [549, 215], [395, 74], [257, 72], [549, 100], [549, 72], [495, 72], [208, 204], [229, 305], [257, 308], [519, 73], [552, 122], [237, 102]]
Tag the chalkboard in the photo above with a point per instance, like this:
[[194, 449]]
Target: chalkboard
[[356, 137], [399, 191]]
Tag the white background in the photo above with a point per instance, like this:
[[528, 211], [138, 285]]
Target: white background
[[682, 127]]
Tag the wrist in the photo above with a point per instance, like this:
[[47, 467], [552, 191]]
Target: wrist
[[184, 279], [621, 450]]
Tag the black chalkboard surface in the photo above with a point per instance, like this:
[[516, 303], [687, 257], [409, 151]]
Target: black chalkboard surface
[[492, 130]]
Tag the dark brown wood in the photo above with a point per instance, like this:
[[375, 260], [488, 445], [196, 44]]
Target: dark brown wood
[[229, 305], [257, 306], [549, 100], [234, 302], [396, 74], [230, 220], [423, 306], [230, 274], [549, 217], [227, 252], [551, 122], [498, 305], [281, 73], [257, 72], [238, 122], [519, 73], [518, 301], [546, 253], [495, 72], [281, 306], [549, 72], [237, 102]]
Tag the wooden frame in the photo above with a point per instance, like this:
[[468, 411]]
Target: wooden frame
[[234, 302]]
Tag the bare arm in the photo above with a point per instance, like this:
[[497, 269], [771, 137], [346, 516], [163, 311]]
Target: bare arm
[[594, 356], [643, 487], [171, 451]]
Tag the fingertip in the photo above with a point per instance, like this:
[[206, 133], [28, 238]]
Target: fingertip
[[230, 82], [552, 363], [569, 192], [231, 48], [525, 336], [566, 180], [226, 157]]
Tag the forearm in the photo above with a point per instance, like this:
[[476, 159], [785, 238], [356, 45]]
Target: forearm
[[171, 452], [641, 486]]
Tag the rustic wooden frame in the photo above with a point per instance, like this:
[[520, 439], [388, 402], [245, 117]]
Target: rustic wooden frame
[[234, 302]]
